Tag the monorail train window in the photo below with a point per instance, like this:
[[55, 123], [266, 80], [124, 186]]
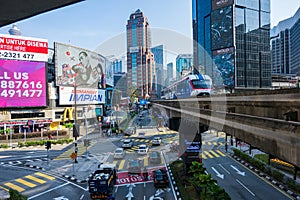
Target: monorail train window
[[200, 84]]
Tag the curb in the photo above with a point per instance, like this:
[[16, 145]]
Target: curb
[[173, 182], [263, 175], [73, 179]]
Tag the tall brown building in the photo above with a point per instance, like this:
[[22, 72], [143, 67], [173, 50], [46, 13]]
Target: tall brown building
[[140, 59]]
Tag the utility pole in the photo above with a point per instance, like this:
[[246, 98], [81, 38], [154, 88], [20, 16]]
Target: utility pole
[[75, 121]]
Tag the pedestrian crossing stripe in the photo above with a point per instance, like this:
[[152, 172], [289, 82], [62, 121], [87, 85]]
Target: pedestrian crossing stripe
[[4, 188], [208, 154], [27, 183], [22, 181], [212, 152], [212, 143], [222, 154], [35, 179], [15, 187], [44, 176]]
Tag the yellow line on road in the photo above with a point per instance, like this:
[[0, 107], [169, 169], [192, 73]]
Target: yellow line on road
[[145, 162], [204, 156], [121, 164], [35, 179], [209, 143], [15, 187], [44, 176]]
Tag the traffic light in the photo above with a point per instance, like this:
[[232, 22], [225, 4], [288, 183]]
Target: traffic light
[[48, 145], [76, 132], [100, 118]]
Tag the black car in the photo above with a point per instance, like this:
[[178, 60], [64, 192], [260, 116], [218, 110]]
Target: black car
[[154, 157], [160, 178]]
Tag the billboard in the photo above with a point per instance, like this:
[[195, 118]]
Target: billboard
[[23, 84], [84, 96], [79, 66], [223, 72], [23, 48], [109, 77], [222, 28]]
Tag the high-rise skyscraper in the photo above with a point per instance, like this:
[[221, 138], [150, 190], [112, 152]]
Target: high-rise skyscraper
[[232, 42], [158, 53], [184, 64], [117, 66], [140, 60], [169, 73], [285, 50]]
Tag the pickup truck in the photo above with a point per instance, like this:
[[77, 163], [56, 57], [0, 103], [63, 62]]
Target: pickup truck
[[102, 182]]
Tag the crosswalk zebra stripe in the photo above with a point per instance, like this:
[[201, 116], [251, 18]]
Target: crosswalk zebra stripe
[[35, 179], [44, 176], [22, 181], [208, 154], [212, 152], [15, 187], [222, 154]]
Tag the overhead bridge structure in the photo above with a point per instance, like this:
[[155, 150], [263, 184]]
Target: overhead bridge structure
[[267, 120]]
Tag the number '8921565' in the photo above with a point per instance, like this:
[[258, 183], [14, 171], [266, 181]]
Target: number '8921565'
[[20, 84]]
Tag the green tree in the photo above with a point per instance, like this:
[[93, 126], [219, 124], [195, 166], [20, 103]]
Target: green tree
[[69, 126], [15, 195], [197, 168]]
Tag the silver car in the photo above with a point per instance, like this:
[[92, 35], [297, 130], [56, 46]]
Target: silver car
[[127, 143], [119, 153]]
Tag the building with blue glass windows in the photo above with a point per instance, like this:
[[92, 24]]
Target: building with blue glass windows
[[158, 53], [285, 48], [140, 60], [231, 42], [184, 64]]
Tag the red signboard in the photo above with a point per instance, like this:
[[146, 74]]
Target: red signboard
[[23, 48], [125, 178]]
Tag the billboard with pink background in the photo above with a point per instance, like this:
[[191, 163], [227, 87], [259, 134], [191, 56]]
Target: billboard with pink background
[[22, 84]]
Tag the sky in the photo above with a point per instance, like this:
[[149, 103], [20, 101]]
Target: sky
[[99, 25]]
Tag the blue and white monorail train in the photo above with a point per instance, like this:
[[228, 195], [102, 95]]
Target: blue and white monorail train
[[190, 86]]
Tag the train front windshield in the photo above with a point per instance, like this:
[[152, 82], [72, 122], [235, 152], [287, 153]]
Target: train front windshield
[[201, 84]]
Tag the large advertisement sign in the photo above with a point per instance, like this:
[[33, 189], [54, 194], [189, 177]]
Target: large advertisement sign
[[109, 74], [223, 72], [79, 66], [222, 28], [23, 84], [23, 48], [84, 96]]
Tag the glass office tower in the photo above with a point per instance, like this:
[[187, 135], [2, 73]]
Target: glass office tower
[[233, 42]]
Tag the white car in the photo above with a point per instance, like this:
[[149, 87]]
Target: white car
[[127, 143], [143, 149], [156, 141], [119, 153]]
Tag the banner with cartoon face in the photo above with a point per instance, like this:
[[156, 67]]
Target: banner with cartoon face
[[80, 67]]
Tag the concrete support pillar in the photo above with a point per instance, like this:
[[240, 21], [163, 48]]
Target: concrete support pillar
[[295, 172]]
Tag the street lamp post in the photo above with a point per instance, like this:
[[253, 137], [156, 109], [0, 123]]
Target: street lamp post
[[86, 131]]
